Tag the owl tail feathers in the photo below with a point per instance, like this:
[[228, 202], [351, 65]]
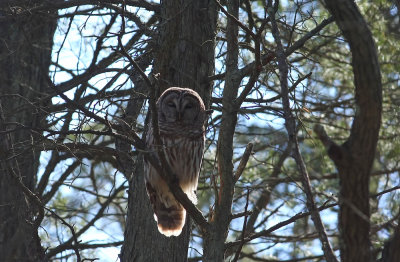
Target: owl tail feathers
[[169, 214], [170, 221]]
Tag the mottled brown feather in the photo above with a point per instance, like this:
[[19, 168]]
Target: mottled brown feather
[[183, 144]]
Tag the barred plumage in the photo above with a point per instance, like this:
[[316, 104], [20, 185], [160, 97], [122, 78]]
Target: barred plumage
[[181, 118]]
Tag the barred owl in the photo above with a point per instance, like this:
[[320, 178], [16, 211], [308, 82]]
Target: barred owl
[[181, 118]]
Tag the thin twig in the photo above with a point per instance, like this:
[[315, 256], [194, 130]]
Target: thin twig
[[238, 251], [276, 226], [243, 161], [71, 228], [290, 125], [245, 28]]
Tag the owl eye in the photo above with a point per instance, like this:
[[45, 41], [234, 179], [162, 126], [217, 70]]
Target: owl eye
[[170, 104], [188, 106]]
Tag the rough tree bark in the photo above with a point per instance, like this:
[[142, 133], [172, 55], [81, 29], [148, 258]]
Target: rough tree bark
[[185, 58], [214, 242], [25, 55], [391, 251], [354, 158]]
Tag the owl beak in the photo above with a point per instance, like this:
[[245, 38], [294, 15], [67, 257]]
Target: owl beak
[[179, 116]]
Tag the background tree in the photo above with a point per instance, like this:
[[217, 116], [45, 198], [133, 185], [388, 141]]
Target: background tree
[[355, 157], [25, 56], [271, 71], [183, 56]]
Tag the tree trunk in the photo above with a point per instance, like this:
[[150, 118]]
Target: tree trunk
[[214, 242], [391, 251], [185, 58], [354, 158], [25, 55]]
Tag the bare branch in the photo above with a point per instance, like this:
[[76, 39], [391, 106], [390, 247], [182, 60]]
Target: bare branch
[[291, 129], [276, 227], [243, 161]]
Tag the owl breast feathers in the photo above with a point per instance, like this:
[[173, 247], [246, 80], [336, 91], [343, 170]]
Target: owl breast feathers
[[181, 119]]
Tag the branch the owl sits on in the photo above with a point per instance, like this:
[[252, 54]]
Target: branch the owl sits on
[[181, 119]]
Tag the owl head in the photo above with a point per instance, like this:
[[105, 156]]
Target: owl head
[[181, 107]]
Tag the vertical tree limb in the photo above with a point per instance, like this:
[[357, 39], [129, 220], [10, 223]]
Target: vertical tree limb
[[354, 158], [25, 50], [215, 241], [290, 125]]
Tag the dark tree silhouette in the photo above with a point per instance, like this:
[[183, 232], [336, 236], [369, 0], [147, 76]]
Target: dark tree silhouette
[[79, 81]]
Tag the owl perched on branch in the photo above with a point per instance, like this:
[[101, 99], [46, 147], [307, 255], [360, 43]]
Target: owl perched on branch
[[181, 119]]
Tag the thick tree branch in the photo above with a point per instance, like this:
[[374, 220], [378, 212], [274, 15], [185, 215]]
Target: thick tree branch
[[355, 165], [214, 242]]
